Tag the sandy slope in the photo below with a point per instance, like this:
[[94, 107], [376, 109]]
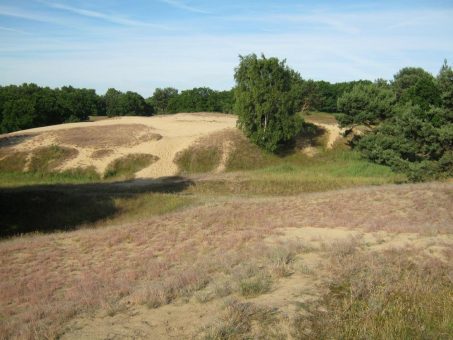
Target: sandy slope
[[162, 136], [176, 132]]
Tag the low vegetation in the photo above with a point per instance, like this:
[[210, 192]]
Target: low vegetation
[[47, 159], [126, 167], [257, 240], [383, 295]]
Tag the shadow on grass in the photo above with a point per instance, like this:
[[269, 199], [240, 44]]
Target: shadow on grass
[[6, 141], [63, 207]]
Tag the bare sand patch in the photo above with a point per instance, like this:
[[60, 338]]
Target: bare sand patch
[[107, 136]]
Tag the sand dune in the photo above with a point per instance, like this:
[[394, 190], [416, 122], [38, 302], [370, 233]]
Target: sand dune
[[163, 136]]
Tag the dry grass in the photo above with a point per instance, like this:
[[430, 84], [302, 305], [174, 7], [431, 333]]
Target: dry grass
[[395, 294], [107, 136], [11, 161], [101, 153], [52, 279]]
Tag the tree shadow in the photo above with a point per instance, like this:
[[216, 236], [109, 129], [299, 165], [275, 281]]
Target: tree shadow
[[309, 136], [63, 207]]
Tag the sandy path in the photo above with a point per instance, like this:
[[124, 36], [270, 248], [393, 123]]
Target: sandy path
[[334, 132], [178, 132]]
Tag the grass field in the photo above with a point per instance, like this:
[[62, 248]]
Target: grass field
[[243, 244]]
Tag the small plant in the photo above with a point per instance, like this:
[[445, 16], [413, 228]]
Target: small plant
[[255, 285]]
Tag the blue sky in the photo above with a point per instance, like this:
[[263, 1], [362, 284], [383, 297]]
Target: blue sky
[[139, 45]]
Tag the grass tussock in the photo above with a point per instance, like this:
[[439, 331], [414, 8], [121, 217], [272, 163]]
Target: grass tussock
[[12, 161], [47, 159], [244, 321], [198, 159], [205, 155], [126, 167]]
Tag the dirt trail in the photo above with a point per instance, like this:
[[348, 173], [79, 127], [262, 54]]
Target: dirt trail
[[334, 132]]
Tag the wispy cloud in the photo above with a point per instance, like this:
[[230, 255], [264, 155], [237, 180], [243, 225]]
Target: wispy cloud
[[103, 16], [29, 15], [181, 5], [9, 29]]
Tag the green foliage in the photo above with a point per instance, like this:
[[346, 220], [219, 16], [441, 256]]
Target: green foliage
[[417, 86], [28, 105], [445, 83], [366, 104], [416, 141], [161, 99], [329, 93], [130, 103], [267, 101], [127, 166], [201, 99]]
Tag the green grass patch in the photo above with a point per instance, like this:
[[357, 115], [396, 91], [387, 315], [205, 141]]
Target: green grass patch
[[149, 204], [334, 169], [72, 176], [198, 159], [126, 167], [47, 159]]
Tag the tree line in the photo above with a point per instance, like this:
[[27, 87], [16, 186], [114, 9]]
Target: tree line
[[408, 121], [29, 105]]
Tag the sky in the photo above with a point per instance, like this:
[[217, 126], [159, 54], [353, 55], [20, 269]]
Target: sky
[[139, 45]]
